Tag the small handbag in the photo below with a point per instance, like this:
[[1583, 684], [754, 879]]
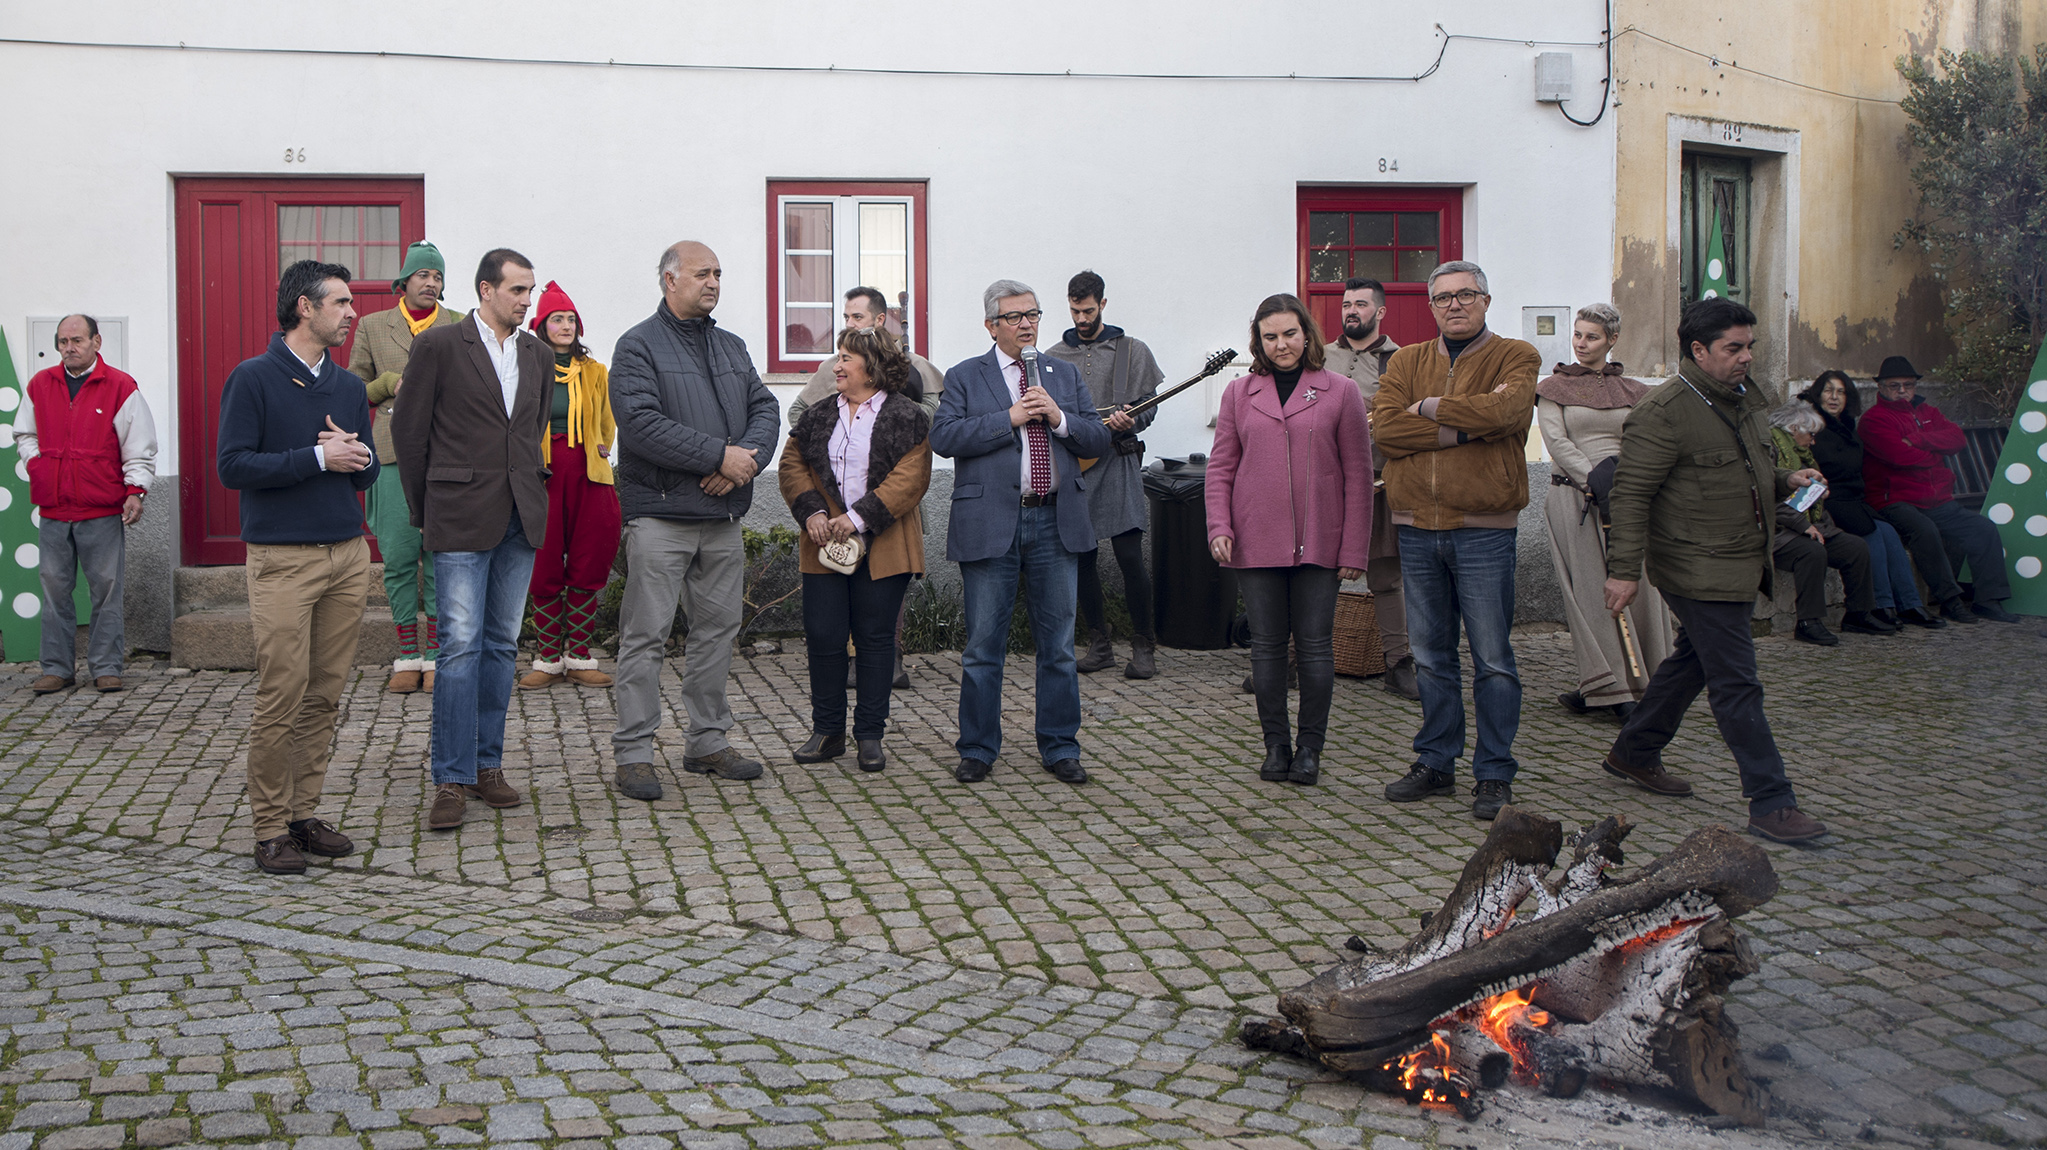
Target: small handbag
[[843, 555]]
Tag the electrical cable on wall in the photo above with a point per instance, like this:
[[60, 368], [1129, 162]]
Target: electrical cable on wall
[[1606, 85]]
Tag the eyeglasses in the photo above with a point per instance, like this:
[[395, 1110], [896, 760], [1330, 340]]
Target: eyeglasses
[[1019, 318], [1896, 384], [1467, 297]]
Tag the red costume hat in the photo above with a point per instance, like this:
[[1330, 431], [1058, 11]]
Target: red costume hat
[[552, 300]]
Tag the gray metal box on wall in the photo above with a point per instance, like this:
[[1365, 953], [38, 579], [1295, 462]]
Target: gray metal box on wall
[[42, 341], [1552, 77]]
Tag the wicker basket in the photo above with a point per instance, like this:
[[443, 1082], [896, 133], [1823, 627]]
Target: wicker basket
[[1357, 635]]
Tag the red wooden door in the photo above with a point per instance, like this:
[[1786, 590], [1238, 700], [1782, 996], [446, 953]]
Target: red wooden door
[[234, 236], [1393, 235]]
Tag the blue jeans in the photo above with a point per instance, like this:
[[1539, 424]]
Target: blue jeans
[[1890, 569], [482, 600], [99, 546], [1052, 573], [1467, 573]]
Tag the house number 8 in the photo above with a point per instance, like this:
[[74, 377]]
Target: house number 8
[[294, 155]]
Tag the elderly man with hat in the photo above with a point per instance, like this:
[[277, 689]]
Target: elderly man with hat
[[1905, 442], [383, 342]]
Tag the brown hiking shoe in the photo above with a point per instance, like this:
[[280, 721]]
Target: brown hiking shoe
[[451, 802], [403, 682], [318, 837], [588, 677], [726, 764], [107, 683], [1786, 825], [279, 856], [50, 685], [1653, 778], [427, 683], [492, 788]]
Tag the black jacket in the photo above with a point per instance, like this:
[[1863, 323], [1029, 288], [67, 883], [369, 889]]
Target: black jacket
[[683, 391], [1839, 453]]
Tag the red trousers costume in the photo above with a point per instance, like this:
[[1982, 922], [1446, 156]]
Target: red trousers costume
[[574, 561]]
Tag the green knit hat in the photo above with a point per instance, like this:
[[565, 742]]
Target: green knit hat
[[419, 257]]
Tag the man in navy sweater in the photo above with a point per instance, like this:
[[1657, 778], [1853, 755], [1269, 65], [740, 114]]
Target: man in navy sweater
[[292, 425]]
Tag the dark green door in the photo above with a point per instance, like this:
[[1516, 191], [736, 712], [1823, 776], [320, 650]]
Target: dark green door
[[1714, 188]]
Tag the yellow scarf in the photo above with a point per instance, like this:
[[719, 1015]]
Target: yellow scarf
[[418, 325]]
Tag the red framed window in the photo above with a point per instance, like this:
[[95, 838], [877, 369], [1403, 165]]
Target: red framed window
[[1393, 235], [826, 237]]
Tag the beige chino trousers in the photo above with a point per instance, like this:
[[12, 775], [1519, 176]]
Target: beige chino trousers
[[306, 602]]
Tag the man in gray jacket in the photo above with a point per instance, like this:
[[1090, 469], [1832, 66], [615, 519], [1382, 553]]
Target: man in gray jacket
[[695, 423]]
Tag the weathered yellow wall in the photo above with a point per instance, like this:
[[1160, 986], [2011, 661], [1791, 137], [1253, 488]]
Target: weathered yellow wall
[[1857, 299]]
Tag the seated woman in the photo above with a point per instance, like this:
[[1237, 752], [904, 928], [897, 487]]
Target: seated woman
[[1808, 542], [1839, 453], [857, 468]]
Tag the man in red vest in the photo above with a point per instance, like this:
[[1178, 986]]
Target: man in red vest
[[89, 445]]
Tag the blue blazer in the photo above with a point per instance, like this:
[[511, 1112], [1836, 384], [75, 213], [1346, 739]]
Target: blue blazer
[[972, 428]]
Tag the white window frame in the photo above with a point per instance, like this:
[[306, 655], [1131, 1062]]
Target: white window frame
[[845, 256]]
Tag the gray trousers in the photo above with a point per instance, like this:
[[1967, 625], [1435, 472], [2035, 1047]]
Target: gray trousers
[[700, 564], [100, 546]]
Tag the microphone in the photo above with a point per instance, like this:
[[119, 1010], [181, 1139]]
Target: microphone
[[1030, 362]]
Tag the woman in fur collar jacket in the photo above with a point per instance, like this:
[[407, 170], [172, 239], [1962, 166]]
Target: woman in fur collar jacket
[[857, 468]]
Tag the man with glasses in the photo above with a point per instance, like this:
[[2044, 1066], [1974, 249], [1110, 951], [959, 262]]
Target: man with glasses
[[1017, 426], [1361, 353], [1904, 439], [1451, 416]]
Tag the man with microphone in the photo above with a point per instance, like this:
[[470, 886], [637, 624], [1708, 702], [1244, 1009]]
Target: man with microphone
[[1017, 426]]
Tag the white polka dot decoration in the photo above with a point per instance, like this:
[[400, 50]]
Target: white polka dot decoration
[[2028, 566], [2018, 473], [2000, 514], [9, 399], [2033, 422], [28, 555], [28, 606], [2042, 453], [21, 470], [6, 498], [2038, 392], [2037, 525], [2017, 501]]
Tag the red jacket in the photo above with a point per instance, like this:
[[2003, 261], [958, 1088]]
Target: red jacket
[[1292, 485], [1903, 445], [85, 456]]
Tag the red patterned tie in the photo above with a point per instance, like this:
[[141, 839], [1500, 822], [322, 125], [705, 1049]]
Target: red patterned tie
[[1040, 443]]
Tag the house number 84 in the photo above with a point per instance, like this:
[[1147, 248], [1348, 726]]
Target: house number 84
[[294, 155], [1386, 165]]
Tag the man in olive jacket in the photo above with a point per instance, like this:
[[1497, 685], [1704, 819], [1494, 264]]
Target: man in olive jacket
[[1693, 503], [1451, 416]]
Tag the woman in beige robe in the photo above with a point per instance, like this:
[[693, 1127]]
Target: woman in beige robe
[[1580, 409]]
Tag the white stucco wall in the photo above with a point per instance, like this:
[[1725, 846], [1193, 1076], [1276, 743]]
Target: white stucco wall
[[1180, 192]]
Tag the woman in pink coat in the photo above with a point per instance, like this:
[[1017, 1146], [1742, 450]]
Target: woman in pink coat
[[1289, 494]]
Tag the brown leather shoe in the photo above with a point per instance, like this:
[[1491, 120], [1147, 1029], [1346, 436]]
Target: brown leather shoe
[[1786, 825], [318, 837], [279, 856], [403, 682], [451, 802], [106, 683], [492, 788], [588, 677], [536, 680], [426, 683], [1653, 778], [50, 685]]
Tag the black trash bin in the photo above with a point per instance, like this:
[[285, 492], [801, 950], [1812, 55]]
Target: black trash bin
[[1194, 597]]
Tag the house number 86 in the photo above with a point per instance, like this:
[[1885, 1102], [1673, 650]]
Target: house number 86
[[294, 155]]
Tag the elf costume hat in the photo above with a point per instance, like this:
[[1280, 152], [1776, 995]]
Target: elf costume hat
[[421, 256], [552, 300]]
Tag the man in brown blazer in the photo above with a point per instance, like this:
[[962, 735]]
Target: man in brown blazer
[[471, 414]]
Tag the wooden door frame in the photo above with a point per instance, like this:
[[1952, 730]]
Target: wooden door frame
[[198, 422], [1446, 198]]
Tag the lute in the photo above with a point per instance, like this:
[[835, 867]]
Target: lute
[[1210, 366]]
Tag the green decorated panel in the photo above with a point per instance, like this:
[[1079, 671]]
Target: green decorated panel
[[2017, 501]]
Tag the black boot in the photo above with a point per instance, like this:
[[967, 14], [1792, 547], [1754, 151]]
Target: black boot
[[1099, 655], [1278, 761], [820, 748], [1142, 664], [1866, 623], [1307, 768]]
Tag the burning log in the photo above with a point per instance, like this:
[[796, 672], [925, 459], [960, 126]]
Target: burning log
[[1569, 974]]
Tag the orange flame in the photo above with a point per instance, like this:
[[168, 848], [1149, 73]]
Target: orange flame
[[1501, 1012]]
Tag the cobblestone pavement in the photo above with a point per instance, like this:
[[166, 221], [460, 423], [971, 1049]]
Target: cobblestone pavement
[[823, 957]]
